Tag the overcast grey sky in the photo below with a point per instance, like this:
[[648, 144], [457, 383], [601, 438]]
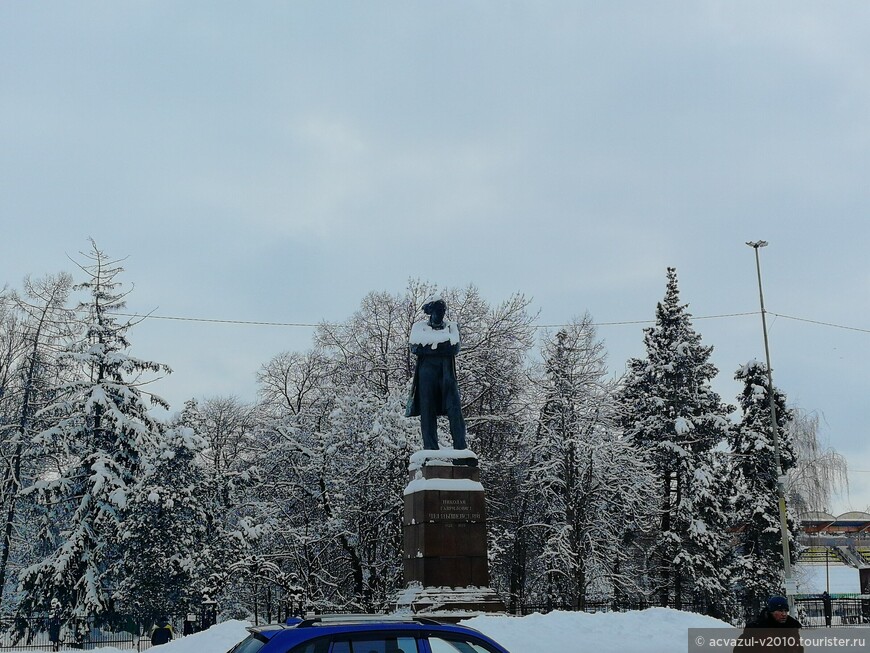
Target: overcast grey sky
[[276, 161]]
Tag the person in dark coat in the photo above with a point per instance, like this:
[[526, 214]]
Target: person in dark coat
[[774, 622], [826, 607], [435, 390], [54, 622], [162, 632]]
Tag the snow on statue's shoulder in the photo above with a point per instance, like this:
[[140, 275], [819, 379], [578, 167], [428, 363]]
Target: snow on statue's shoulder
[[423, 334]]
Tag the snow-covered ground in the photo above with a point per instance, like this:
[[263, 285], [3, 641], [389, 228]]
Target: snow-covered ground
[[657, 630]]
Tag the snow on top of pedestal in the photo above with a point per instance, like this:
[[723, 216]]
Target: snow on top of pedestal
[[407, 596], [443, 485], [443, 457], [436, 597]]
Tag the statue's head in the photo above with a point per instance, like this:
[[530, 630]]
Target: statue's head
[[435, 308]]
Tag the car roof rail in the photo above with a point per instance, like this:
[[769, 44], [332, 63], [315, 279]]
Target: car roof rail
[[357, 618]]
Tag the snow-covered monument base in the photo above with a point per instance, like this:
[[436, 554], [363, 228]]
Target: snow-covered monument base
[[445, 552]]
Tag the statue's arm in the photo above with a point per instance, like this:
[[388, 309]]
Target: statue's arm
[[446, 348]]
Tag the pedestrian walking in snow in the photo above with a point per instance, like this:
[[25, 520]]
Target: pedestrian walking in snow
[[826, 606], [162, 632]]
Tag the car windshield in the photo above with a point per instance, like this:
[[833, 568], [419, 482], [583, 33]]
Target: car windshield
[[454, 645], [251, 644]]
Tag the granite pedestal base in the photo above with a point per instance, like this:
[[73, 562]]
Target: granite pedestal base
[[445, 553]]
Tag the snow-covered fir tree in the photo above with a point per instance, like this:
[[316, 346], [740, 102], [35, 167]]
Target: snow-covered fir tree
[[670, 412], [757, 567], [164, 530], [591, 486], [93, 450]]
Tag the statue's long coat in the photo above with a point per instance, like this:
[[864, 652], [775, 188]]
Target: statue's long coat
[[448, 389]]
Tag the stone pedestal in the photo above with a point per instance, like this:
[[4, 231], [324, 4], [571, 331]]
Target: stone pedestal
[[445, 553]]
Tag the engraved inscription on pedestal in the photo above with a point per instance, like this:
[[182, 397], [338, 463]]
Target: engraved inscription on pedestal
[[455, 508]]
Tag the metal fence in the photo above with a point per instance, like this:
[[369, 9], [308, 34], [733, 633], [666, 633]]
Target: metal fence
[[40, 634], [845, 611]]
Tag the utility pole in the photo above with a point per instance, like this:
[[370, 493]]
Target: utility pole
[[790, 585]]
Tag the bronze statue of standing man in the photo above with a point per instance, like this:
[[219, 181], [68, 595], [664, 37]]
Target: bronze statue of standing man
[[435, 392]]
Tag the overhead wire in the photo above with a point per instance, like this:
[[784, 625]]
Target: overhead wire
[[629, 322], [537, 326], [828, 324], [218, 321]]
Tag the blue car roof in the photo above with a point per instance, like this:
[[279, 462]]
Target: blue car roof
[[300, 630]]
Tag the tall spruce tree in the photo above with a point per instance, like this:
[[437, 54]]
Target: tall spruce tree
[[757, 567], [164, 530], [670, 412], [99, 428]]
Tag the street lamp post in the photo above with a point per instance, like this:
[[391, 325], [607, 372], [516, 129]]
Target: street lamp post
[[827, 572], [790, 589]]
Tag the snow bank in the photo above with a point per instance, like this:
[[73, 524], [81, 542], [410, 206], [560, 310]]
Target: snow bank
[[219, 638], [656, 630]]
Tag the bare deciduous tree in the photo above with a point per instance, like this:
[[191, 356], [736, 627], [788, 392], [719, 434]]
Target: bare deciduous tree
[[819, 471], [29, 364]]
